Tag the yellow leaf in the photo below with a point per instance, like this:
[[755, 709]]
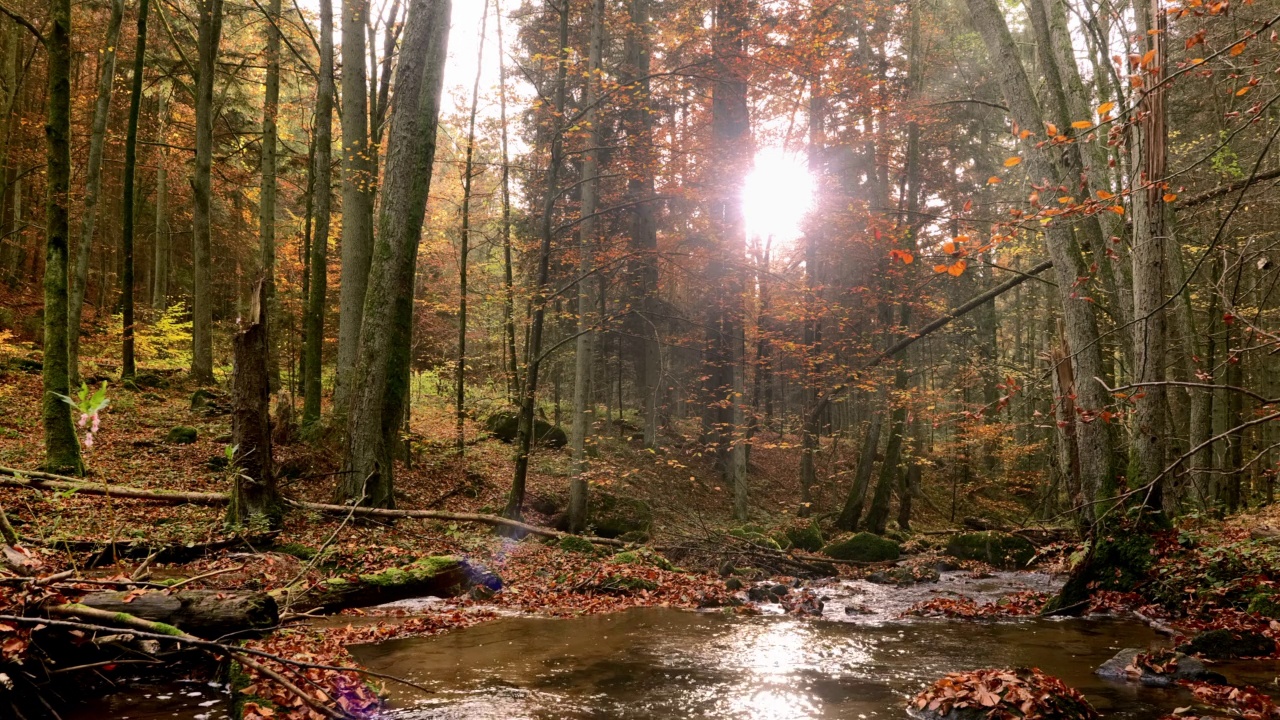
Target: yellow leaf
[[1010, 162], [1082, 124], [1106, 107]]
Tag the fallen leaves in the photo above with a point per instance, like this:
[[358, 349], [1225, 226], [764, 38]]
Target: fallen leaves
[[1021, 693]]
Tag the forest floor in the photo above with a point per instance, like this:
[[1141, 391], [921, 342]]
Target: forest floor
[[1208, 574]]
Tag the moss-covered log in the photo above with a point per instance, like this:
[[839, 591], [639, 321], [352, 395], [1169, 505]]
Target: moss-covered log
[[203, 613], [439, 576]]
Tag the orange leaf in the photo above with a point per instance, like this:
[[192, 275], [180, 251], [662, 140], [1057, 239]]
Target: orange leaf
[[1010, 162], [948, 247], [905, 256], [1243, 91], [1117, 209], [1148, 56], [939, 268], [1104, 195], [993, 180], [1170, 197], [1053, 129], [1238, 48], [957, 268], [1082, 124], [1106, 107]]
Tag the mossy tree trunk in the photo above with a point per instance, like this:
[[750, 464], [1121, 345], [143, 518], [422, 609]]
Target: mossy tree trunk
[[378, 402], [61, 446]]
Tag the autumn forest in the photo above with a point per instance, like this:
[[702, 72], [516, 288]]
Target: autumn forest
[[560, 308]]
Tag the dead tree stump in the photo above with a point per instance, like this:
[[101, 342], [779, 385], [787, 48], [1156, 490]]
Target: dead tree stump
[[255, 499]]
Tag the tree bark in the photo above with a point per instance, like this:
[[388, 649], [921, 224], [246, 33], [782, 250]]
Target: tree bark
[[318, 284], [61, 446], [127, 369], [851, 513], [93, 186], [358, 180], [209, 36], [508, 282], [378, 403], [203, 613], [255, 499]]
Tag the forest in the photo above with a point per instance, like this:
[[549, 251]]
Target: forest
[[639, 359]]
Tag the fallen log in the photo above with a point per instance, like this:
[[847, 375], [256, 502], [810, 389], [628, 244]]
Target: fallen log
[[203, 613], [454, 516], [105, 553], [48, 481], [442, 576]]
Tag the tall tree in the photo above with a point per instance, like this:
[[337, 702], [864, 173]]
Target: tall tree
[[127, 368], [318, 270], [93, 186], [358, 180], [267, 195], [163, 249], [582, 418], [378, 402], [464, 243], [208, 38], [61, 447]]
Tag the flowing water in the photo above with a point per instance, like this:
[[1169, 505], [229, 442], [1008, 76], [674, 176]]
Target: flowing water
[[658, 663]]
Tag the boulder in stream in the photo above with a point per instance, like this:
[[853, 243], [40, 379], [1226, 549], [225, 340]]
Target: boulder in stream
[[1002, 550], [863, 547], [1162, 668], [1223, 644]]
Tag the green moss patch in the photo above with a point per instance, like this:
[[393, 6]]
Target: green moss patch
[[863, 547], [1001, 550]]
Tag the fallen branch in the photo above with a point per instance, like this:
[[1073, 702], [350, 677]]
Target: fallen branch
[[48, 481], [442, 515]]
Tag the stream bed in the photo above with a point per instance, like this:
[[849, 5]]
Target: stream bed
[[659, 663]]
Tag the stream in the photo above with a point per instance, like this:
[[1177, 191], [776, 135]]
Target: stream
[[664, 663]]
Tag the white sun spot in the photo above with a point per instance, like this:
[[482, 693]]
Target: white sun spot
[[777, 195]]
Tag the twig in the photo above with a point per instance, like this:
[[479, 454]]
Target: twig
[[207, 575]]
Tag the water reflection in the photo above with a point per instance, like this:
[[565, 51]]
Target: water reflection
[[657, 663]]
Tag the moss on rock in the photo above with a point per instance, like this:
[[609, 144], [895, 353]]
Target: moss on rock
[[1001, 550], [576, 544], [643, 556], [801, 536], [614, 515], [863, 547], [181, 435]]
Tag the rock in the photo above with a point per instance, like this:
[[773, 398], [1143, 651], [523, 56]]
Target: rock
[[217, 463], [755, 535], [577, 544], [152, 397], [150, 380], [726, 569], [643, 556], [779, 591], [546, 503], [201, 398], [863, 547], [181, 435], [807, 537], [904, 575], [614, 515], [439, 576], [1001, 550], [505, 425], [759, 594], [1160, 669], [27, 365], [480, 592], [1229, 644], [733, 584], [1265, 604]]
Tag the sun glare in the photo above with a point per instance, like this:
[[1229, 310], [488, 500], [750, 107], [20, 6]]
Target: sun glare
[[777, 194]]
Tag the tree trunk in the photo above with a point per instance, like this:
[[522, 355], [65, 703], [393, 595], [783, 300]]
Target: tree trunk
[[852, 510], [878, 514], [163, 248], [533, 347], [61, 446], [208, 38], [318, 284], [464, 246], [255, 500], [267, 195], [382, 368], [203, 613], [358, 179], [1149, 260], [93, 186], [508, 283], [438, 576], [127, 369], [582, 417], [1081, 325]]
